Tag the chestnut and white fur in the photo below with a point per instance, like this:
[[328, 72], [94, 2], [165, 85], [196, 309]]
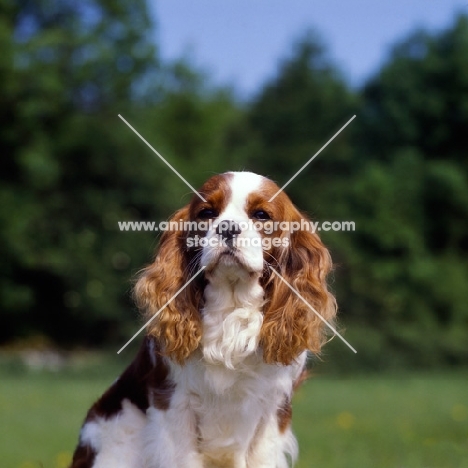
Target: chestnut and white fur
[[211, 386]]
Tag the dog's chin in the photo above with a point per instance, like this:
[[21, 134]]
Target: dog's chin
[[232, 264]]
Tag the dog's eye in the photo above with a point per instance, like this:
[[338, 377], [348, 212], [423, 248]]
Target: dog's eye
[[207, 213], [261, 215]]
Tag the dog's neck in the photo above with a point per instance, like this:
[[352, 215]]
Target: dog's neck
[[232, 316], [229, 288]]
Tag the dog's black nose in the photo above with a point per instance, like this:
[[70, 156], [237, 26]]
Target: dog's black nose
[[228, 229]]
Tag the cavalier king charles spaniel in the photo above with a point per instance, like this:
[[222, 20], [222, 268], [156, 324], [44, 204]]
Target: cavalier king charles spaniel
[[212, 383]]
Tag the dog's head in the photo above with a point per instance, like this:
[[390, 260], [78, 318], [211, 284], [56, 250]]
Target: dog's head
[[240, 236]]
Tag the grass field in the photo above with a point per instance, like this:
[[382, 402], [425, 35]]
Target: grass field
[[416, 421], [383, 422]]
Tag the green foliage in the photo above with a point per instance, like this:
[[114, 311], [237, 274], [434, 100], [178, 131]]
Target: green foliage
[[294, 115], [399, 171], [410, 202], [62, 184], [70, 170]]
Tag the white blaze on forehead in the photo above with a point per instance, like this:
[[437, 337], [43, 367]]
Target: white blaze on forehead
[[242, 185]]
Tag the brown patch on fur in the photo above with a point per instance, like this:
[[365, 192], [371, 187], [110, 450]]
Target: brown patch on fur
[[284, 415], [161, 386], [284, 412], [133, 385], [83, 457], [142, 383], [217, 193]]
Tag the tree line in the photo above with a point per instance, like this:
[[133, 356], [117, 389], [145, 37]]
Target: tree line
[[70, 170]]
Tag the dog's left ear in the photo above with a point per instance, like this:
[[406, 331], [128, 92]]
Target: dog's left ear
[[290, 326], [178, 325]]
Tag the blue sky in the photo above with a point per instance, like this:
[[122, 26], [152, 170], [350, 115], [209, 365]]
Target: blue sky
[[240, 42]]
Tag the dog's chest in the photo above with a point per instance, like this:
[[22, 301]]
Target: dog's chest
[[230, 406]]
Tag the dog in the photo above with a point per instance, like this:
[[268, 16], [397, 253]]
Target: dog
[[231, 296]]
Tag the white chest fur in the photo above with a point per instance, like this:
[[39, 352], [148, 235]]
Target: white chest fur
[[233, 410], [232, 395], [224, 410]]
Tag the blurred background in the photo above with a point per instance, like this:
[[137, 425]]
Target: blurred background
[[219, 86]]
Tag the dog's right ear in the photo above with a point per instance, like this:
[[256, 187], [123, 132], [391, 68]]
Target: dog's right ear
[[178, 325]]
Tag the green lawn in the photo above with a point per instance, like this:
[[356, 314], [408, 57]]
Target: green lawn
[[40, 419], [379, 422], [383, 422]]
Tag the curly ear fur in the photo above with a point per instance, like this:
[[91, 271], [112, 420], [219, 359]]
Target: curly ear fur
[[178, 325], [289, 326]]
